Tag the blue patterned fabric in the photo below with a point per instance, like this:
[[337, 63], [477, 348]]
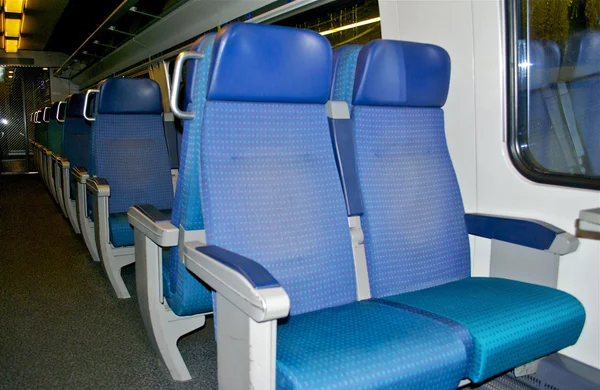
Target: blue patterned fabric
[[367, 345], [271, 185], [344, 68], [413, 221], [76, 147], [131, 154], [121, 233], [511, 322], [186, 295]]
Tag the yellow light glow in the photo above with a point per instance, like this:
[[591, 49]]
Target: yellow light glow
[[353, 25], [11, 45], [15, 6], [12, 27]]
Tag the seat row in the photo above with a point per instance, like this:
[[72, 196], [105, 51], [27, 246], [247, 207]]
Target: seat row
[[564, 116], [332, 232], [316, 205]]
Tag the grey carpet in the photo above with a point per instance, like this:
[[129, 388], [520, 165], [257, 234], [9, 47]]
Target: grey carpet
[[61, 325]]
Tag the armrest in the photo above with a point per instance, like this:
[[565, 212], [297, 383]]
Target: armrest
[[46, 151], [98, 187], [56, 157], [526, 232], [64, 163], [80, 174], [244, 282], [153, 224]]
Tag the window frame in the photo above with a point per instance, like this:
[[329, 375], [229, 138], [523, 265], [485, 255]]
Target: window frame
[[518, 155]]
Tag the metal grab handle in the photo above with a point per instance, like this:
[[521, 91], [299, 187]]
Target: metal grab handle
[[177, 70], [58, 111], [44, 115], [85, 104], [35, 116]]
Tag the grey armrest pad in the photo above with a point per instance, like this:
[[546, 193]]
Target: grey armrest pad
[[159, 230], [80, 174], [64, 163], [98, 187]]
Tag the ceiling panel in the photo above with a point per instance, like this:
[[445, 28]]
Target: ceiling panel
[[41, 17]]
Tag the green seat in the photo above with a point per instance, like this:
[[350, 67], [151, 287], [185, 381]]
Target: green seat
[[55, 128]]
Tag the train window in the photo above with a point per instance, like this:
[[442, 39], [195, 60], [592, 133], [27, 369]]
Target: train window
[[342, 22], [554, 90]]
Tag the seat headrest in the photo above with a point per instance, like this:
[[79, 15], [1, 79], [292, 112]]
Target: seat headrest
[[129, 96], [265, 63], [543, 63], [398, 73], [344, 69], [203, 45], [75, 105], [582, 54]]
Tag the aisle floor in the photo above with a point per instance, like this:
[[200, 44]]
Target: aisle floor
[[61, 325]]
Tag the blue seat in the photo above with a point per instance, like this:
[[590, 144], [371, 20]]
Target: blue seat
[[276, 221], [130, 165], [76, 136], [177, 303], [186, 296], [415, 228], [582, 64]]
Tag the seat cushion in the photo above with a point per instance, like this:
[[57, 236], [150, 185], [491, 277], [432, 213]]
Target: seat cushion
[[121, 233], [368, 345], [511, 323]]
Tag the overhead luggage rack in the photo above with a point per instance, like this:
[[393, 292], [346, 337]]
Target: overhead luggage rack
[[125, 23]]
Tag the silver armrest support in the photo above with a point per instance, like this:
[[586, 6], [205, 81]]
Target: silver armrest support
[[98, 187], [261, 303], [80, 174], [159, 230], [63, 163]]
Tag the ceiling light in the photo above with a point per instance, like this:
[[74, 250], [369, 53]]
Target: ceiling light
[[12, 27], [353, 25], [44, 68], [15, 6], [11, 45]]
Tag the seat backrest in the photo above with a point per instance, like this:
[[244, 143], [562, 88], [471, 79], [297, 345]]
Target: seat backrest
[[186, 295], [128, 144], [55, 129], [270, 186], [413, 216], [546, 126], [582, 62]]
